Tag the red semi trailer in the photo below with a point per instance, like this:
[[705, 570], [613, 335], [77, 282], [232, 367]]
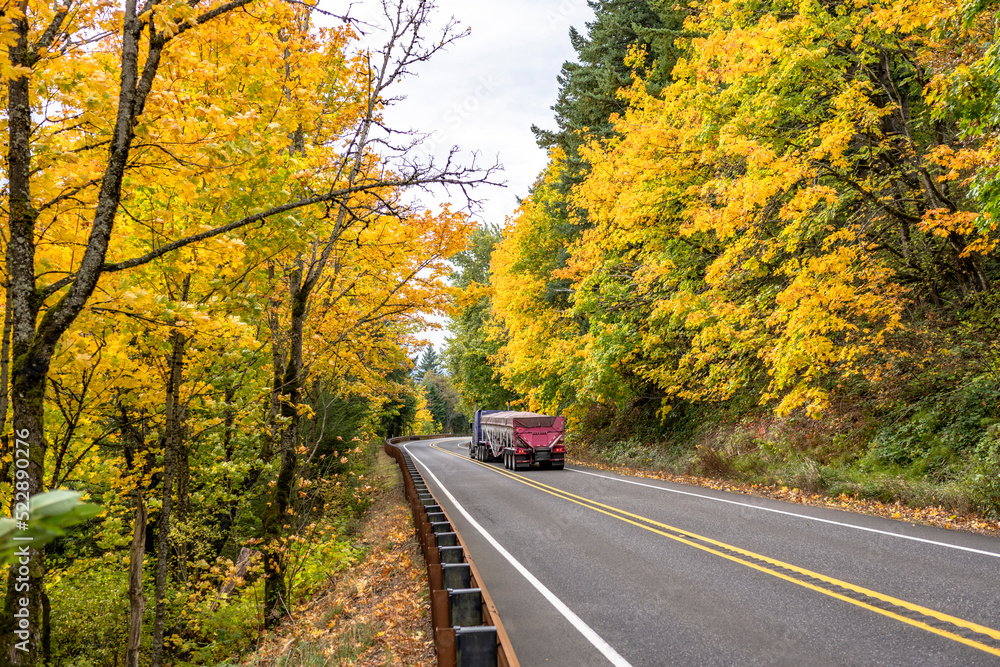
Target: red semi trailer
[[519, 439]]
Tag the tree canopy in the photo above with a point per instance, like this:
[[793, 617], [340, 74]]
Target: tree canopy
[[776, 202], [215, 270]]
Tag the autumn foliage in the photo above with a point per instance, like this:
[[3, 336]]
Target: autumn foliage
[[765, 220], [215, 270], [794, 209]]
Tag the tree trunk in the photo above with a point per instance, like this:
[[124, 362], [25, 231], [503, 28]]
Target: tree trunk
[[242, 565], [30, 365], [5, 440], [46, 629], [230, 421], [171, 446], [136, 600], [22, 646], [183, 503], [275, 604]]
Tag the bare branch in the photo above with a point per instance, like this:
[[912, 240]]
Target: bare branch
[[68, 194], [54, 28]]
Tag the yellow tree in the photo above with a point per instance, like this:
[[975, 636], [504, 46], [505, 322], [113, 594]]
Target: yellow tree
[[797, 158], [376, 184], [92, 73], [544, 347]]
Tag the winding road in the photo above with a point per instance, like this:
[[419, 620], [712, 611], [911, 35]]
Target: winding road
[[593, 568]]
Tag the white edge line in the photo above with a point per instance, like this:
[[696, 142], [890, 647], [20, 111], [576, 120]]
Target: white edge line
[[793, 514], [560, 606]]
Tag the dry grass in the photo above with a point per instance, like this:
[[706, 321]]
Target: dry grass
[[374, 614]]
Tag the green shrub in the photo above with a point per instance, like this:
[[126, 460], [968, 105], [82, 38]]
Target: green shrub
[[985, 478], [933, 436], [90, 612], [629, 452]]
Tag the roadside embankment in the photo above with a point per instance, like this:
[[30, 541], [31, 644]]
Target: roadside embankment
[[373, 613], [929, 515]]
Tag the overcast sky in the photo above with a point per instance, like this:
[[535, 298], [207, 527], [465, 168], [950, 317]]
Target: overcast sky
[[486, 90]]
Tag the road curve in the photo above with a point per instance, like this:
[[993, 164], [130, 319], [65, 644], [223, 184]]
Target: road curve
[[593, 568]]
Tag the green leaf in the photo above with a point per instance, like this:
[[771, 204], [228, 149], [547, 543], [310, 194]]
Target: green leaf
[[51, 514]]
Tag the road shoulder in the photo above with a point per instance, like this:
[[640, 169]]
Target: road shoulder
[[936, 516]]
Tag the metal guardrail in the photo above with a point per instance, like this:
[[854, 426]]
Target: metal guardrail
[[467, 628]]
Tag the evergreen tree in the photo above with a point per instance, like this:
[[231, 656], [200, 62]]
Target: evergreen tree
[[428, 363], [588, 89], [589, 97]]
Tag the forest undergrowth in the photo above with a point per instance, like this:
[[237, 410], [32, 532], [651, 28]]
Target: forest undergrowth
[[932, 460], [372, 612]]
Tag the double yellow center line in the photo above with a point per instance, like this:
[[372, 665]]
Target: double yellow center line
[[957, 629]]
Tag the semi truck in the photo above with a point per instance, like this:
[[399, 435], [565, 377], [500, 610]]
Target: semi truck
[[519, 439]]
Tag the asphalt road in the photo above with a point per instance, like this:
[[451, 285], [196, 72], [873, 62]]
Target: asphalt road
[[592, 568]]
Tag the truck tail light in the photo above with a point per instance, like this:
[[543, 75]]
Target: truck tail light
[[559, 449]]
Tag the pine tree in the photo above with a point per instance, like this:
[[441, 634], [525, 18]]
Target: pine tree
[[588, 89], [428, 363]]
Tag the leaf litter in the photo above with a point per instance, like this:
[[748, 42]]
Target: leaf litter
[[374, 613]]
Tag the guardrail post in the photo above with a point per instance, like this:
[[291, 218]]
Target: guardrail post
[[445, 639], [432, 556], [427, 542], [465, 606], [440, 613], [434, 576], [456, 575], [476, 646]]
